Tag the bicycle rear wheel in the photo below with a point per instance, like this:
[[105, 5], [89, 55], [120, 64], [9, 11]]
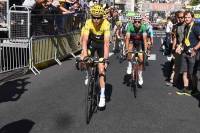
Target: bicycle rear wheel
[[145, 62], [134, 82], [121, 53]]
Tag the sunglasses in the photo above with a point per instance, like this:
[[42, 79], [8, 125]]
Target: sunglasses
[[137, 22], [96, 17], [181, 17]]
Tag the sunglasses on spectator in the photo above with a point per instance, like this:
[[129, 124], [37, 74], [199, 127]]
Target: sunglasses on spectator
[[181, 17], [137, 22], [96, 17]]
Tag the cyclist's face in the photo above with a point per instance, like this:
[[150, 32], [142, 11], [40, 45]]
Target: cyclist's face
[[137, 23], [97, 20]]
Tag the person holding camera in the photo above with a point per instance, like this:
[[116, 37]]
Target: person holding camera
[[190, 53]]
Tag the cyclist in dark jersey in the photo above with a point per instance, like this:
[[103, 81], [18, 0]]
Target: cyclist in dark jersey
[[135, 40]]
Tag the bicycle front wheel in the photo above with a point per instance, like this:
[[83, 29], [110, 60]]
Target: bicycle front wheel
[[89, 101], [134, 82]]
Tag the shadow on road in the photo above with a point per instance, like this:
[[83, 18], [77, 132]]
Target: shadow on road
[[21, 126], [126, 80], [196, 94], [167, 69], [12, 90], [108, 92], [64, 121]]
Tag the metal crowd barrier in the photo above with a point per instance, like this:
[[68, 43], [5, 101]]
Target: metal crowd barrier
[[4, 6], [54, 36], [36, 38], [19, 22], [56, 24], [14, 54]]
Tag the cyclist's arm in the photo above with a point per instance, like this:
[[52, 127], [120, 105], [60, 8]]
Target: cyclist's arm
[[128, 34], [85, 36], [119, 33], [106, 42], [115, 29], [84, 44], [127, 40], [145, 39], [151, 34]]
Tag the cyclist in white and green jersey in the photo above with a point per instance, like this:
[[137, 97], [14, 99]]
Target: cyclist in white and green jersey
[[136, 36]]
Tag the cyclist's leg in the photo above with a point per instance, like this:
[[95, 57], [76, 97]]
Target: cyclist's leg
[[129, 56], [148, 46], [141, 64], [91, 51], [101, 67], [114, 43]]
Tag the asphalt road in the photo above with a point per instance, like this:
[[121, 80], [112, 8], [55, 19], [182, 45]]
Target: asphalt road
[[53, 102]]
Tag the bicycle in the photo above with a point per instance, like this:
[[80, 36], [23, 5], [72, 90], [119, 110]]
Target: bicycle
[[122, 55], [134, 78], [92, 93]]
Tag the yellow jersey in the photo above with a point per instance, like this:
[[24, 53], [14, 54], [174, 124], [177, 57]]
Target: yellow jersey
[[96, 33]]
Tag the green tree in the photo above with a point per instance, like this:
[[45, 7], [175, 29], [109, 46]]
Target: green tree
[[194, 2]]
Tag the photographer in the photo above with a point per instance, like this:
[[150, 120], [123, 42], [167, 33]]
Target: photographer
[[190, 52]]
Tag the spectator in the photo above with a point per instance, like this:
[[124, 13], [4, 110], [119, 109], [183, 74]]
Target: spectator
[[32, 3], [76, 7], [56, 4], [177, 38], [16, 2], [92, 3], [167, 43], [67, 3], [190, 53]]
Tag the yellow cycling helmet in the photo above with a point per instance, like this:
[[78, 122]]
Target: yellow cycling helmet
[[97, 11], [119, 23]]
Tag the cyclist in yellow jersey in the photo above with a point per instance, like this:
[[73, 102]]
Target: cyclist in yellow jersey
[[96, 38]]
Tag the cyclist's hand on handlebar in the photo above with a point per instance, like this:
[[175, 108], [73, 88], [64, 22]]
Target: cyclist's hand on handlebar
[[83, 56], [106, 63]]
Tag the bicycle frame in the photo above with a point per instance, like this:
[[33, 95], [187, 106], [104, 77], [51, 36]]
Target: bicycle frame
[[121, 51], [135, 64], [92, 94]]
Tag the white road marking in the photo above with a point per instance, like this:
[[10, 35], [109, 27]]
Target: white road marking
[[110, 54], [152, 57]]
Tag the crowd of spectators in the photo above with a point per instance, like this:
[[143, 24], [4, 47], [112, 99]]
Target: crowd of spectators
[[61, 15], [185, 48]]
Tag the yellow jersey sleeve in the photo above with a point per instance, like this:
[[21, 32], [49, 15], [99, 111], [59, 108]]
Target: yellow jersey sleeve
[[87, 27], [106, 26]]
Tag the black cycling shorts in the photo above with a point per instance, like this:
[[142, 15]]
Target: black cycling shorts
[[96, 47], [138, 45]]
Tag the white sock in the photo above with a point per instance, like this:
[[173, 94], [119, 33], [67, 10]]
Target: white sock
[[139, 72], [102, 92], [129, 64], [87, 74]]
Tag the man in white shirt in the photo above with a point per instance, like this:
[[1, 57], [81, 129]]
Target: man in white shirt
[[32, 3], [169, 28]]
